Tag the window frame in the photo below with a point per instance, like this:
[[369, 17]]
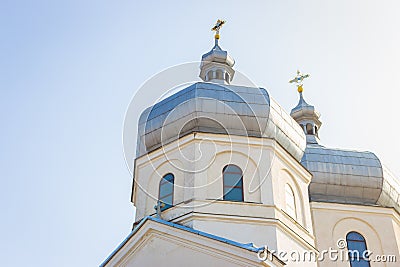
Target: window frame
[[164, 181], [293, 197], [224, 184], [354, 262]]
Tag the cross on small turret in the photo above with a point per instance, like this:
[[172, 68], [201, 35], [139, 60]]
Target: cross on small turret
[[218, 25], [299, 80], [216, 28]]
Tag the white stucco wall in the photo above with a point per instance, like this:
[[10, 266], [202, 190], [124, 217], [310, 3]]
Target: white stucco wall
[[379, 226], [197, 162], [156, 244]]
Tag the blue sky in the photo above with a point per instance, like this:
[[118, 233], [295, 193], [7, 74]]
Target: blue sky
[[68, 70]]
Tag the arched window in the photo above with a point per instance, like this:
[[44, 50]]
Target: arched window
[[210, 75], [290, 201], [309, 128], [220, 75], [357, 246], [226, 77], [233, 183], [166, 191]]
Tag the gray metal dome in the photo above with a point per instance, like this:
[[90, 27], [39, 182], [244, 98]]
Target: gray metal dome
[[222, 109], [349, 177], [343, 176]]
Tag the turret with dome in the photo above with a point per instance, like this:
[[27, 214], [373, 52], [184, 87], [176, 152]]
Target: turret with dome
[[343, 176], [216, 65]]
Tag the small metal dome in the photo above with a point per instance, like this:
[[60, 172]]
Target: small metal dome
[[216, 66], [308, 118]]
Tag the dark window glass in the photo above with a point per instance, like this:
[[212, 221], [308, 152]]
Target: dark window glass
[[233, 183], [219, 75], [233, 179], [357, 246], [309, 128], [166, 191]]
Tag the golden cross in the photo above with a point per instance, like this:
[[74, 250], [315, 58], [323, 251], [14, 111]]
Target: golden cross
[[217, 27], [299, 80]]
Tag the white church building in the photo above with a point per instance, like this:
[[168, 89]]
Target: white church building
[[224, 176]]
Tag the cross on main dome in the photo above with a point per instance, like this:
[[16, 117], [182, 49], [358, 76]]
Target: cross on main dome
[[217, 66]]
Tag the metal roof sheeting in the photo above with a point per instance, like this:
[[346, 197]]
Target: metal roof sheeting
[[349, 177], [218, 108]]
